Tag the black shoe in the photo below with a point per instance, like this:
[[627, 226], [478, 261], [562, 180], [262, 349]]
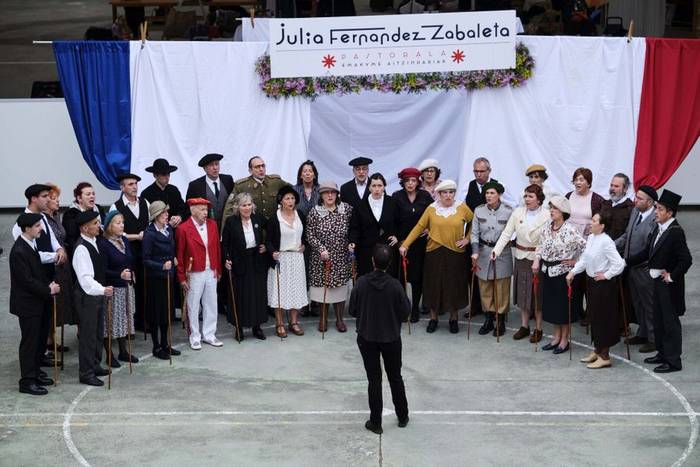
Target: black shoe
[[162, 354], [424, 310], [259, 334], [376, 429], [33, 389], [92, 381], [101, 371], [415, 317], [174, 352], [432, 326], [656, 359], [403, 422], [549, 346], [59, 348], [636, 340], [559, 350], [46, 362], [501, 328], [666, 368], [239, 336], [454, 328], [115, 362], [42, 373], [487, 327], [44, 381], [124, 357]]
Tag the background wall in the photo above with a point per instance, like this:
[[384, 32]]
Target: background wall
[[37, 144]]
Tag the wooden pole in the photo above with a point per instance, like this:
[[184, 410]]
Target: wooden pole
[[535, 290], [144, 301], [495, 302], [326, 273], [404, 263], [569, 293], [279, 298], [237, 333], [109, 343], [128, 321], [170, 327], [471, 302], [624, 316], [55, 346]]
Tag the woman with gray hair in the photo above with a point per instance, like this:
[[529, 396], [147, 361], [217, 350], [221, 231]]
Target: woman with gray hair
[[244, 251]]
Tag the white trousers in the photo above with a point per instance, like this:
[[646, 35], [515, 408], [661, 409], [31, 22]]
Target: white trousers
[[202, 290]]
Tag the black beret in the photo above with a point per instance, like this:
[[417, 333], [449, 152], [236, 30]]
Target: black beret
[[86, 216], [494, 186], [210, 158], [27, 219], [34, 190], [360, 161], [121, 177], [649, 190], [285, 190]]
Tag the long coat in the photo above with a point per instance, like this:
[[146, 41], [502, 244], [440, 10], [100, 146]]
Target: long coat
[[348, 193], [328, 231], [233, 242], [190, 245], [29, 286], [366, 231], [487, 227]]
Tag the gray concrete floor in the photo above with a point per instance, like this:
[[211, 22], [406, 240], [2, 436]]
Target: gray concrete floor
[[303, 402]]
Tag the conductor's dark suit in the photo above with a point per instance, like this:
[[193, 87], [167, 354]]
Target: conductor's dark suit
[[29, 294], [348, 193]]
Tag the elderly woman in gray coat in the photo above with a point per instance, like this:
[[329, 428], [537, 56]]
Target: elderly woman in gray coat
[[490, 220]]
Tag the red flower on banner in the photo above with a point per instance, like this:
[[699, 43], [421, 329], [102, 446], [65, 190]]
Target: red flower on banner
[[458, 56], [328, 61]]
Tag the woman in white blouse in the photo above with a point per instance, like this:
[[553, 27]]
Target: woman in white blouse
[[602, 264], [285, 233]]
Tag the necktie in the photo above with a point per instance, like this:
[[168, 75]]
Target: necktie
[[216, 190], [639, 219]]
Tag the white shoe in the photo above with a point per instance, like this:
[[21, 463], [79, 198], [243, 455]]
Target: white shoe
[[195, 345], [213, 342]]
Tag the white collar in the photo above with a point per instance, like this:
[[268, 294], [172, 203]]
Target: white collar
[[93, 240], [665, 225], [126, 201], [360, 184], [199, 227], [32, 243]]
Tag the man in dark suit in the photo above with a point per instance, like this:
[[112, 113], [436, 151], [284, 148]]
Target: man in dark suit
[[213, 186], [476, 197], [162, 190], [669, 260], [357, 189], [30, 291]]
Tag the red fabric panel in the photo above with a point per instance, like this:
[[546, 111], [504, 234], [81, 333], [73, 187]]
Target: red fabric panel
[[669, 111]]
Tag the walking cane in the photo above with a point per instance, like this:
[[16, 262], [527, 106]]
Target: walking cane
[[62, 326], [326, 273], [109, 343], [128, 320], [237, 333], [569, 293], [185, 315], [404, 264], [170, 329], [279, 299], [353, 267], [535, 287], [495, 301], [471, 301], [55, 346], [624, 317], [144, 301]]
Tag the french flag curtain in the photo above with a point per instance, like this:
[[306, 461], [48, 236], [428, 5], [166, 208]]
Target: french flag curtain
[[602, 103]]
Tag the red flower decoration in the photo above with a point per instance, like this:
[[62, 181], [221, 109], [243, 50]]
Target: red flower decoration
[[458, 56], [328, 61]]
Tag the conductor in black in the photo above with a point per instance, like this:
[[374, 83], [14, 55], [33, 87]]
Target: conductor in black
[[380, 305]]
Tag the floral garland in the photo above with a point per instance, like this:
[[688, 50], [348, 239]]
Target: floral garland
[[396, 83]]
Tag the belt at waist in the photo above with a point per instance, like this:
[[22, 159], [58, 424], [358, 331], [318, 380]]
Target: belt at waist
[[550, 263], [525, 248], [487, 243]]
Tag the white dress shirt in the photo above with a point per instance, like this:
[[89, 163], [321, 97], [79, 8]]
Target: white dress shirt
[[163, 231], [47, 257], [376, 205], [360, 188], [31, 243], [600, 255], [645, 214], [204, 235], [249, 234], [210, 183], [133, 207], [82, 264], [290, 234]]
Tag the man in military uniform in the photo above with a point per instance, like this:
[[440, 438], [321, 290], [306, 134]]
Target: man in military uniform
[[162, 190], [356, 190], [213, 186], [262, 187], [489, 221]]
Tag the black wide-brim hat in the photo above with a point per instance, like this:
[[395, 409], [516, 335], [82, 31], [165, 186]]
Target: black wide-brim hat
[[212, 157], [161, 166], [670, 199], [285, 190]]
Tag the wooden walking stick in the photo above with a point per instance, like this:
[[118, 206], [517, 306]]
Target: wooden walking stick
[[535, 290], [128, 319], [55, 346], [569, 293], [326, 274], [237, 332], [170, 327], [495, 302], [471, 301], [624, 317], [109, 343], [353, 268], [62, 326], [404, 264], [144, 301], [185, 314], [279, 296]]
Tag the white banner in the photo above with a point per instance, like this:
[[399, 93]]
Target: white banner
[[384, 44]]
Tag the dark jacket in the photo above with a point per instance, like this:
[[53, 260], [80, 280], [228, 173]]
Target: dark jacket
[[234, 248], [366, 231], [475, 197], [409, 212], [29, 286], [273, 233], [379, 304], [348, 193], [671, 254], [115, 261], [73, 229], [170, 195], [198, 187], [157, 249], [620, 216]]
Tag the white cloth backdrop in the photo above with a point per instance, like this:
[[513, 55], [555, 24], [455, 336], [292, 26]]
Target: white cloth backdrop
[[579, 109], [193, 98]]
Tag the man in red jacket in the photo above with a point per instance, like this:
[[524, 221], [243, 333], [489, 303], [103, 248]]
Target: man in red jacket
[[198, 271]]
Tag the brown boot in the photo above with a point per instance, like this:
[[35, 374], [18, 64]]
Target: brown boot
[[521, 333], [339, 324]]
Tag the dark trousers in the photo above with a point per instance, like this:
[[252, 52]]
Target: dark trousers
[[667, 325], [157, 305], [391, 354], [31, 347], [91, 329], [139, 290]]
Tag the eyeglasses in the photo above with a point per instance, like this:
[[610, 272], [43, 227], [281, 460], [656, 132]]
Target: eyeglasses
[[481, 171], [259, 166]]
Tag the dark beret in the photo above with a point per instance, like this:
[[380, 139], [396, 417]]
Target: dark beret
[[121, 177], [494, 186], [34, 190], [649, 190], [360, 161], [86, 216], [27, 219]]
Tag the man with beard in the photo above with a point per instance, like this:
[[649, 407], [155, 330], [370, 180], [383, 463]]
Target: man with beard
[[356, 190], [619, 205]]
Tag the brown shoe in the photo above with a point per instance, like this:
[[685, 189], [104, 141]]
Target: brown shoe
[[340, 326], [521, 333], [322, 325], [295, 329], [280, 331], [536, 336]]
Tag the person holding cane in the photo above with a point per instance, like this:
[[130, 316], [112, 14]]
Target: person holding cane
[[159, 259], [602, 264]]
